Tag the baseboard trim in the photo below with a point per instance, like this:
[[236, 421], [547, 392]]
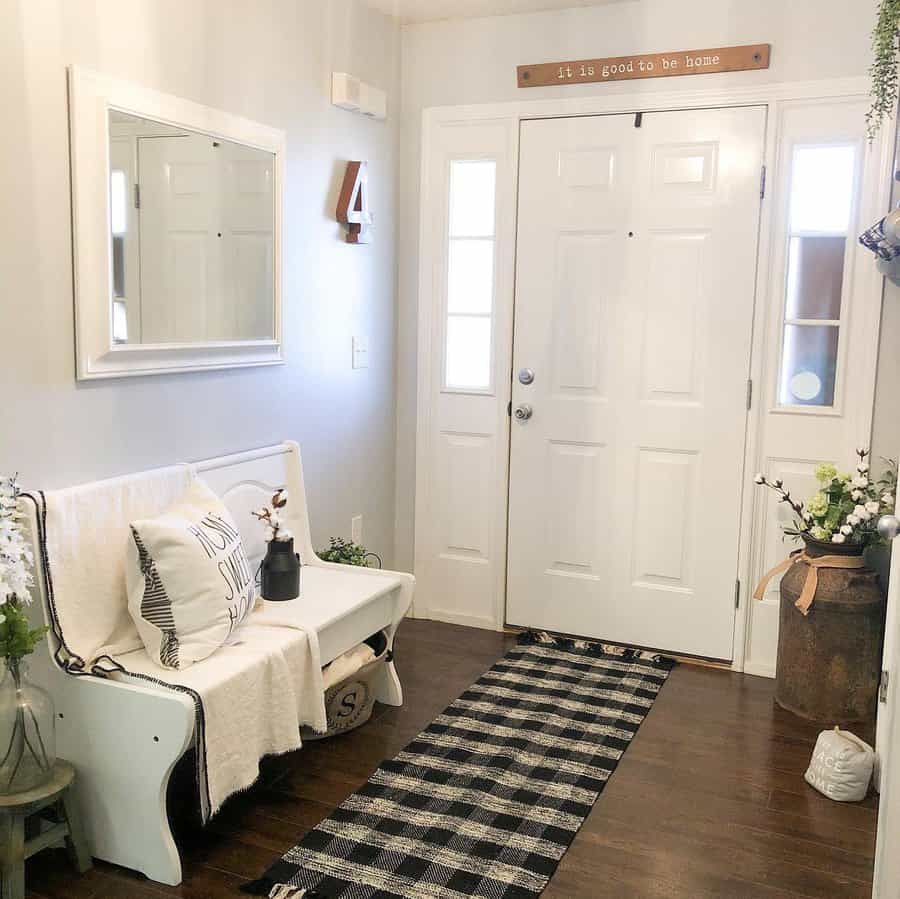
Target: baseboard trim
[[449, 617], [759, 670]]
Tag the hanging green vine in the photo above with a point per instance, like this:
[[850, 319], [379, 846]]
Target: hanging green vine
[[884, 67]]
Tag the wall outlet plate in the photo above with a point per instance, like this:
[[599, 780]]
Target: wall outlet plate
[[356, 529]]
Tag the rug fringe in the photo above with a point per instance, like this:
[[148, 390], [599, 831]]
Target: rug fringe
[[265, 886], [594, 648], [285, 891]]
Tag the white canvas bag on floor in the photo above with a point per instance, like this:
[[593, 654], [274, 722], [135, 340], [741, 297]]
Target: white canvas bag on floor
[[841, 766]]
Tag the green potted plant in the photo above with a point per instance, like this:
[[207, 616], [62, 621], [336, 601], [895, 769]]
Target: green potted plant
[[842, 516], [831, 607], [883, 70], [346, 552]]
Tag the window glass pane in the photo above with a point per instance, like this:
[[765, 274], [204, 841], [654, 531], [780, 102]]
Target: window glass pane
[[472, 184], [118, 211], [808, 365], [822, 188], [468, 352], [815, 275], [120, 322], [470, 281], [118, 266]]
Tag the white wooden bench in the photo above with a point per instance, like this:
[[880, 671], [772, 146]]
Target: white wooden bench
[[124, 738]]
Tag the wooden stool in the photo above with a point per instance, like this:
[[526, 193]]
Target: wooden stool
[[14, 813]]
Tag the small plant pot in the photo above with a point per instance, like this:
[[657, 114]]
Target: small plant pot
[[815, 549], [280, 575]]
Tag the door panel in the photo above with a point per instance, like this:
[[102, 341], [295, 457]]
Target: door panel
[[635, 283], [207, 240]]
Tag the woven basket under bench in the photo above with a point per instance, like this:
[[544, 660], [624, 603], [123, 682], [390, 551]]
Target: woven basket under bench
[[349, 702]]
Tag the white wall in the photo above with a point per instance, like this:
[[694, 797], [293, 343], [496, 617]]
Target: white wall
[[474, 61], [268, 60]]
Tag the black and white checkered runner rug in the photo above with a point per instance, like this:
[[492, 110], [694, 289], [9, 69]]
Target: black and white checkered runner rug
[[487, 799]]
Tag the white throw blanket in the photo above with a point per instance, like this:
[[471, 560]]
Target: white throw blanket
[[346, 665], [87, 539], [254, 693]]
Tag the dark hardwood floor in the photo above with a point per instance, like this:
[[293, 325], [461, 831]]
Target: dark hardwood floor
[[708, 801]]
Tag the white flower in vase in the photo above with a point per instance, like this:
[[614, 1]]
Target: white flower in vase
[[759, 479], [270, 516], [862, 513], [857, 495], [887, 499], [860, 481], [838, 538], [852, 520], [846, 530], [15, 553], [873, 507]]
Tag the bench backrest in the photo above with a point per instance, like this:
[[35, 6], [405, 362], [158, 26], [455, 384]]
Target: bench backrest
[[81, 536], [246, 481]]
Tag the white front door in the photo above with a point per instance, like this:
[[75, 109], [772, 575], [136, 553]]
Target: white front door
[[635, 282]]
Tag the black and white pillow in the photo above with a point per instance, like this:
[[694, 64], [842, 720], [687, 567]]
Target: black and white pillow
[[189, 580]]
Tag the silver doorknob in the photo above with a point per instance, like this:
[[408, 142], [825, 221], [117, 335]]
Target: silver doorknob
[[526, 376], [523, 412], [889, 526]]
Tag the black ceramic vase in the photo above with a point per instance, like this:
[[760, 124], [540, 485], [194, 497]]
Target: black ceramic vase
[[281, 571]]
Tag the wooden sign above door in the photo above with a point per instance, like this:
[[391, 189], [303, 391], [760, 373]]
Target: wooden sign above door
[[646, 65]]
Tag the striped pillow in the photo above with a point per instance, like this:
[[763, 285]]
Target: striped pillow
[[189, 579]]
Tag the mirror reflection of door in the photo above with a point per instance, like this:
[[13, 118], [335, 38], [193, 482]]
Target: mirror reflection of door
[[192, 222]]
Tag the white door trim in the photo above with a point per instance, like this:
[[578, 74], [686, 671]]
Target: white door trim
[[885, 885], [874, 202]]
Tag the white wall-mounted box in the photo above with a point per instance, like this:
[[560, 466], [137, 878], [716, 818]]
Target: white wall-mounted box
[[354, 95]]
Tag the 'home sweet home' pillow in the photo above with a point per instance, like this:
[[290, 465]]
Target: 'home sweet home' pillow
[[189, 579]]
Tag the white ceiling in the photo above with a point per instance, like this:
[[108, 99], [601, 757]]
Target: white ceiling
[[408, 11]]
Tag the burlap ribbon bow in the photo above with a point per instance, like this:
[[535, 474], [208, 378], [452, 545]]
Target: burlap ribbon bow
[[808, 594]]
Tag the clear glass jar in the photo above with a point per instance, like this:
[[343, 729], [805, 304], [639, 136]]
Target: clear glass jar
[[27, 731]]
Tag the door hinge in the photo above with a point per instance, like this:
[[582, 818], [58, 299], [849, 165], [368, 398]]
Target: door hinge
[[883, 686], [737, 594], [509, 408], [762, 183], [749, 393], [137, 196], [638, 119]]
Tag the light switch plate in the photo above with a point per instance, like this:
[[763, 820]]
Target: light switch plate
[[356, 529], [360, 352]]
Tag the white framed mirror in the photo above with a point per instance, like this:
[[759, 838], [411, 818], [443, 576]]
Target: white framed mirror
[[177, 232]]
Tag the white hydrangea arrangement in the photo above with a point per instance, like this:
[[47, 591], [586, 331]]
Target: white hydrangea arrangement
[[272, 517], [846, 507], [15, 553]]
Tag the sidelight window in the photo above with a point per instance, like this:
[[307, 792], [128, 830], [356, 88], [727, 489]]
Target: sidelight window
[[822, 183], [470, 275]]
